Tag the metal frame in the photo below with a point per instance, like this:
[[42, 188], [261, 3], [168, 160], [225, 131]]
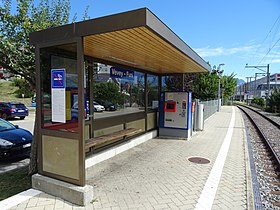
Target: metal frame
[[81, 121], [41, 131]]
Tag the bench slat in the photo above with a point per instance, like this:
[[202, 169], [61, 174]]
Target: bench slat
[[109, 137]]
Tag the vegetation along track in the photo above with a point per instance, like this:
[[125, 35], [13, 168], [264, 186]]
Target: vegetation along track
[[265, 137]]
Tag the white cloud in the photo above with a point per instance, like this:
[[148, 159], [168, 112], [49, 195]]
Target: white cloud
[[212, 52], [275, 61]]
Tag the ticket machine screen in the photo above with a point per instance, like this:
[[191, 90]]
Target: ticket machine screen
[[170, 106]]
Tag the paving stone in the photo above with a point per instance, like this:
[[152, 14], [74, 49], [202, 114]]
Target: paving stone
[[158, 175], [232, 187], [50, 207]]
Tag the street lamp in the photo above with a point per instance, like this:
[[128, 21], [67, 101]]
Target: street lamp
[[219, 86]]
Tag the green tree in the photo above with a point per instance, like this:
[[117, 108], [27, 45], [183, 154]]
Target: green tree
[[274, 100], [16, 54], [24, 88], [108, 91], [259, 102], [206, 85], [228, 85]]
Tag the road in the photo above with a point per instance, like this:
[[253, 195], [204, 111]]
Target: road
[[28, 124]]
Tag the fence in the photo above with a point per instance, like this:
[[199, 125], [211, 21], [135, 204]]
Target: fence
[[210, 107]]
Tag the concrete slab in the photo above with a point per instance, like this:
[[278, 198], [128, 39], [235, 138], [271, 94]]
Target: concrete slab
[[75, 194]]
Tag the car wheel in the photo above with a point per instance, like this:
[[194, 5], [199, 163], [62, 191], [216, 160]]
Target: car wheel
[[22, 118], [4, 116]]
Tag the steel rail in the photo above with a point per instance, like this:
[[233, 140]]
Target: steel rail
[[264, 116], [261, 134]]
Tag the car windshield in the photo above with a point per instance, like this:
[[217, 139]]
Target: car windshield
[[4, 125]]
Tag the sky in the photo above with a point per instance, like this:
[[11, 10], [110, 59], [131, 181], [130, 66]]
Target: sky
[[232, 32]]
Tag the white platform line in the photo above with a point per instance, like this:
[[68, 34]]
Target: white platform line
[[208, 193], [18, 198]]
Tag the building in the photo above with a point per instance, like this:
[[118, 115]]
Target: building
[[256, 88]]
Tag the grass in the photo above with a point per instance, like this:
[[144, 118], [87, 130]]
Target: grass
[[7, 93], [17, 180], [14, 182]]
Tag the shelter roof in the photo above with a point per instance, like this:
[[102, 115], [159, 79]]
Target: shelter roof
[[135, 38]]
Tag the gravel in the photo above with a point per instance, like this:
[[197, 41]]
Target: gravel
[[265, 178]]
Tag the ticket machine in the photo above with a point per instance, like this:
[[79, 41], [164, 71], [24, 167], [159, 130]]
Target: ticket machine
[[175, 116]]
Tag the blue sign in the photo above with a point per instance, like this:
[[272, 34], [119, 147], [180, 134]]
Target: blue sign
[[121, 73], [58, 78]]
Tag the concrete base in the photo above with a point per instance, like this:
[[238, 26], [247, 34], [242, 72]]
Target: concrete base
[[74, 194], [174, 133]]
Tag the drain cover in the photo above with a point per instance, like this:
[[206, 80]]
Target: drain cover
[[199, 160]]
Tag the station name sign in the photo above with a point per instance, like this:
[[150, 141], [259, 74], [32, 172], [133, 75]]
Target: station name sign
[[121, 73]]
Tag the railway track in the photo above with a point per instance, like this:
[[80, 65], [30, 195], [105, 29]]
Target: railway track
[[265, 137]]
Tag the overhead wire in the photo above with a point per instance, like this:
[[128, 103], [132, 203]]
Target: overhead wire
[[276, 51], [271, 46], [266, 36], [269, 50]]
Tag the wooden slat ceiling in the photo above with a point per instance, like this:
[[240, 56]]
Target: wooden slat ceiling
[[140, 48]]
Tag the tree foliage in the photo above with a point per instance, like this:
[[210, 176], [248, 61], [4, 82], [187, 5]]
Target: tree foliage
[[16, 54], [258, 101], [108, 91], [24, 90], [205, 86], [228, 85], [274, 100]]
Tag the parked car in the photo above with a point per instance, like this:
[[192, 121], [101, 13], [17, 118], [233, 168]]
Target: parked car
[[109, 106], [97, 107], [14, 141], [74, 110], [13, 109]]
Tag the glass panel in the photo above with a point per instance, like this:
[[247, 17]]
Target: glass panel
[[152, 120], [136, 124], [59, 82], [172, 83], [152, 91], [116, 91]]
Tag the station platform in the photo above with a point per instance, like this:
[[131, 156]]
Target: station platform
[[158, 174]]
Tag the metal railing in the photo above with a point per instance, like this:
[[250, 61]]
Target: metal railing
[[210, 107]]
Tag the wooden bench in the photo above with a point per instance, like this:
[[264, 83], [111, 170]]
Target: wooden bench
[[93, 142]]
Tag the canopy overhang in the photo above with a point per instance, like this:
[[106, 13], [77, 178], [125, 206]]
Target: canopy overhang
[[135, 39]]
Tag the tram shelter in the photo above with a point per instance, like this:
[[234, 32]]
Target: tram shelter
[[132, 51]]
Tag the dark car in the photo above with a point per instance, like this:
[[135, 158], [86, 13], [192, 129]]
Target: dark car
[[14, 141], [109, 106], [13, 109]]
